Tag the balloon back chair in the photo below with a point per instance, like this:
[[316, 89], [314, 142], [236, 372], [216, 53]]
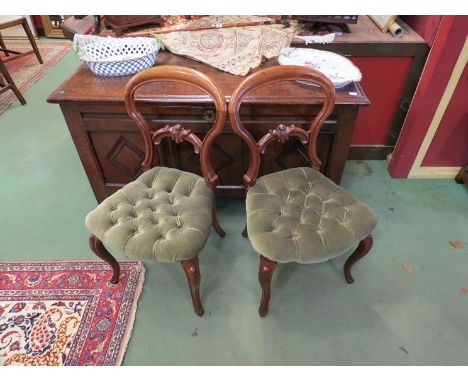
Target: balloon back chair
[[298, 214], [165, 214]]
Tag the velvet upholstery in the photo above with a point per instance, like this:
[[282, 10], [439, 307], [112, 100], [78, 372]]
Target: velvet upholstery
[[164, 215], [299, 215]]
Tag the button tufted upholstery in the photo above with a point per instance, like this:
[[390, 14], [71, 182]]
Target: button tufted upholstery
[[300, 215], [164, 215]]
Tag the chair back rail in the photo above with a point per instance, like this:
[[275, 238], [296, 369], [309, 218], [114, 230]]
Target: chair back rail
[[282, 132], [177, 133]]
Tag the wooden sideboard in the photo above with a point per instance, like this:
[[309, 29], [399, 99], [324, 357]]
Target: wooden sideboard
[[111, 148], [391, 68]]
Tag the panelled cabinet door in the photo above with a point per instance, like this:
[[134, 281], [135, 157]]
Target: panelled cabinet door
[[119, 155], [119, 147]]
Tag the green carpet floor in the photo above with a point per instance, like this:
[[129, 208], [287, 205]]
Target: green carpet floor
[[389, 316]]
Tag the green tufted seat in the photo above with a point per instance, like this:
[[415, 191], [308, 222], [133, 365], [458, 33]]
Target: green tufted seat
[[300, 215], [164, 215]]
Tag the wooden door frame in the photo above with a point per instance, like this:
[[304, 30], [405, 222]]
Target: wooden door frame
[[421, 123]]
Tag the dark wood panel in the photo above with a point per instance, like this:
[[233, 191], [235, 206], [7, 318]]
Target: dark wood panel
[[119, 150], [85, 87], [119, 155]]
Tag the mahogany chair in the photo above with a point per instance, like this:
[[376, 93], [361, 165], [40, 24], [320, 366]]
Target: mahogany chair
[[165, 214], [297, 215]]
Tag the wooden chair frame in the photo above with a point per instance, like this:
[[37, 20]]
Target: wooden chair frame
[[10, 84], [178, 134], [281, 134], [27, 30]]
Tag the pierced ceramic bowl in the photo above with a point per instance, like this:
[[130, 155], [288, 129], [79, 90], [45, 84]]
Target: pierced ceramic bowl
[[108, 56], [339, 69]]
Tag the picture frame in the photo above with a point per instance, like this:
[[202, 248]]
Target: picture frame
[[17, 32], [383, 22], [52, 23]]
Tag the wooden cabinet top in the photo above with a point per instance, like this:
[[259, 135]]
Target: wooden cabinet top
[[85, 87], [366, 32]]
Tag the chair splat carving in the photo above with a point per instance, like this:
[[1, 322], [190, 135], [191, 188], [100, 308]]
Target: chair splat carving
[[178, 134], [281, 134]]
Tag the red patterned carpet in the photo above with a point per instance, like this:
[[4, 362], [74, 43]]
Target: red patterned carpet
[[66, 313], [27, 70]]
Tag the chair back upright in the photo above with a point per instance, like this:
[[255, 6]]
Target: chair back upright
[[282, 132], [177, 133]]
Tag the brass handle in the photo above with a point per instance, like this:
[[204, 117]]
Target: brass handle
[[209, 115]]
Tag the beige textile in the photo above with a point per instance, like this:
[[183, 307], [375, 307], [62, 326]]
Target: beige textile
[[208, 22], [181, 23], [233, 50]]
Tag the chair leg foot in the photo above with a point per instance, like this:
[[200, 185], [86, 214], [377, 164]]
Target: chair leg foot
[[100, 251], [244, 232], [216, 225], [265, 273], [363, 248], [192, 272], [461, 174]]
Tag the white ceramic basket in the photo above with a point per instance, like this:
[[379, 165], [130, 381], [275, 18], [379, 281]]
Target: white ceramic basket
[[339, 69], [109, 56]]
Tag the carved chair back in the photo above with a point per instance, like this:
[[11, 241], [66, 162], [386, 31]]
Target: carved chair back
[[177, 133], [281, 133]]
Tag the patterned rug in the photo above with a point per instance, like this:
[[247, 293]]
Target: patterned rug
[[27, 70], [66, 313]]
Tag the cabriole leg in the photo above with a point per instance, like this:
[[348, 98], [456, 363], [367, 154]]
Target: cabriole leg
[[363, 248], [98, 248], [244, 232], [265, 273], [192, 272], [216, 225]]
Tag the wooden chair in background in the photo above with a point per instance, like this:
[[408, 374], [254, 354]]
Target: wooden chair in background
[[7, 22], [9, 84]]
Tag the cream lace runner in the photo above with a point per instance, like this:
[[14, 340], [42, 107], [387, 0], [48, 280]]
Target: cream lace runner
[[233, 50]]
